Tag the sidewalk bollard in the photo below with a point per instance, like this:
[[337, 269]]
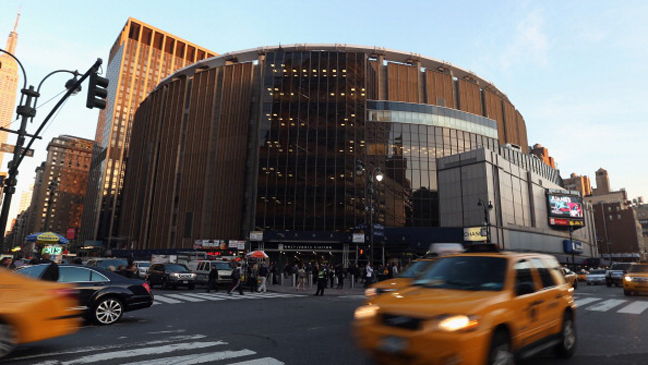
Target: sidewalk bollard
[[352, 283], [294, 280], [310, 281]]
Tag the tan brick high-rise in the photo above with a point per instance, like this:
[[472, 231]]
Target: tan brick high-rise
[[141, 57]]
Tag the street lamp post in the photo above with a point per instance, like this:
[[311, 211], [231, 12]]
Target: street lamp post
[[27, 112], [376, 175], [571, 244], [487, 208]]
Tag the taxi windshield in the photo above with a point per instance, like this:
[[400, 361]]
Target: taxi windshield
[[415, 269], [638, 268], [472, 273]]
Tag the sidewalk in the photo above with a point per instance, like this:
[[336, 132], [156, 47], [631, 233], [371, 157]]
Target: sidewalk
[[310, 290]]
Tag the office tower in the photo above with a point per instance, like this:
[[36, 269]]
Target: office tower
[[58, 205], [8, 84], [141, 57]]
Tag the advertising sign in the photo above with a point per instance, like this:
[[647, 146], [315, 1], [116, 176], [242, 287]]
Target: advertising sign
[[475, 234], [565, 206]]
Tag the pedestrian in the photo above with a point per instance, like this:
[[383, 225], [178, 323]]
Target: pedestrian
[[394, 271], [6, 262], [130, 270], [331, 274], [212, 278], [263, 276], [301, 278], [52, 271], [273, 271], [368, 275], [340, 272], [321, 280], [236, 280], [253, 277]]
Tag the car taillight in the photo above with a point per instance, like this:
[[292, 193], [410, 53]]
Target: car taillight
[[147, 287]]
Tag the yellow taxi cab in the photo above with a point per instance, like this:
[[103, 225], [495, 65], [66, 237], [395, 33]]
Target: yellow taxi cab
[[33, 310], [471, 309], [401, 281], [582, 275], [636, 279], [571, 277]]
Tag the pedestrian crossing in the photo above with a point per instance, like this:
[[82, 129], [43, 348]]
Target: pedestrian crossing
[[174, 350], [599, 304], [214, 297]]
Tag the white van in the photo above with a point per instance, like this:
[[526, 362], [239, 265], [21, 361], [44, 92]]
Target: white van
[[442, 249], [203, 267]]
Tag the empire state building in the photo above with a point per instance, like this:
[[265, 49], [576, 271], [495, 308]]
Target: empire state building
[[8, 84]]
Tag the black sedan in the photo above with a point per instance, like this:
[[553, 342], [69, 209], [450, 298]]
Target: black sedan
[[104, 295]]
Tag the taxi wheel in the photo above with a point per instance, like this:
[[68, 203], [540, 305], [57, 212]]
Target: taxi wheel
[[567, 345], [500, 350], [7, 338], [108, 311], [627, 293], [575, 284]]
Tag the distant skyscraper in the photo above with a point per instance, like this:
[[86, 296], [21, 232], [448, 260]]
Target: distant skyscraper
[[64, 176], [25, 198], [141, 57], [8, 84]]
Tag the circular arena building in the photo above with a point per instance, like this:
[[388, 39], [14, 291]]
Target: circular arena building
[[282, 147]]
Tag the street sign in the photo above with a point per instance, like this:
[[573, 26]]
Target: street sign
[[9, 148]]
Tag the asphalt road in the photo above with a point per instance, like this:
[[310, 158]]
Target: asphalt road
[[289, 327]]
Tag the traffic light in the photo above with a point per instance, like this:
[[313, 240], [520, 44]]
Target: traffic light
[[97, 92]]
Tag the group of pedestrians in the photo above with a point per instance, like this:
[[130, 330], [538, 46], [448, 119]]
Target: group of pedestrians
[[257, 277]]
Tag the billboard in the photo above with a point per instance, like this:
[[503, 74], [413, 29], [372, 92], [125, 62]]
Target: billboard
[[565, 206]]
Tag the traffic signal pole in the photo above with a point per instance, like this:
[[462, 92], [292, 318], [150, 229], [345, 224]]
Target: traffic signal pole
[[27, 112]]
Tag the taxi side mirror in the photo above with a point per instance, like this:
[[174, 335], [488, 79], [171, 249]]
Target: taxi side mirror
[[524, 288]]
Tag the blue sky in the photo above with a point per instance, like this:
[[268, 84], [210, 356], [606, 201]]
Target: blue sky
[[576, 70]]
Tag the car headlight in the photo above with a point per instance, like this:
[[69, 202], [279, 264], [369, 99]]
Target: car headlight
[[366, 312], [174, 275], [193, 276], [627, 278], [457, 323]]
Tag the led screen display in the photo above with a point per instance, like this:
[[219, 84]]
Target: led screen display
[[565, 206]]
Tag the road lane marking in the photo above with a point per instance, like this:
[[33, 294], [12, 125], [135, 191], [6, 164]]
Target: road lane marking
[[634, 308], [184, 297], [90, 359], [263, 361], [585, 301], [606, 305], [195, 358], [166, 300]]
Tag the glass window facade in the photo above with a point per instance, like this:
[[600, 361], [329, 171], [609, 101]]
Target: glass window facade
[[318, 129]]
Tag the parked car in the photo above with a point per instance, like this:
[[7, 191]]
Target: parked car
[[34, 310], [473, 308], [107, 263], [202, 268], [635, 280], [615, 274], [103, 295], [171, 276], [142, 268], [596, 277]]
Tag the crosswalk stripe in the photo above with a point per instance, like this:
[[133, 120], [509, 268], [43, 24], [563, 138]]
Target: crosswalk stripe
[[185, 297], [263, 361], [90, 359], [195, 358], [584, 301], [166, 300], [634, 308], [606, 305], [207, 296]]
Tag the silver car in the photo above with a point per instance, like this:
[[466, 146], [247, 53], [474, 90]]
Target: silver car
[[595, 277]]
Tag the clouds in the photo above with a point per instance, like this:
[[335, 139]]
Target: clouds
[[529, 44]]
